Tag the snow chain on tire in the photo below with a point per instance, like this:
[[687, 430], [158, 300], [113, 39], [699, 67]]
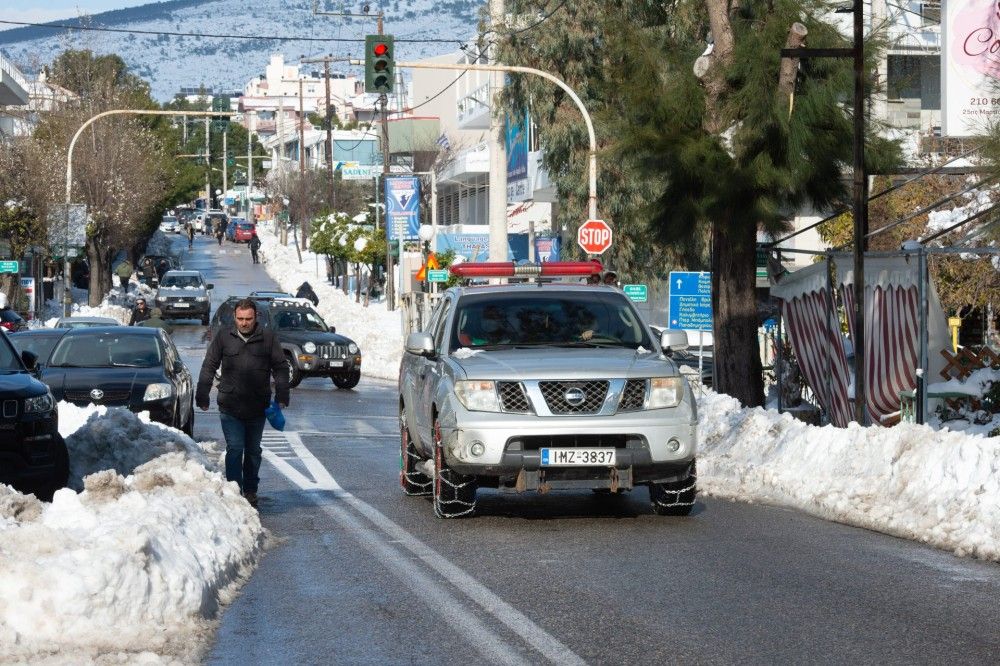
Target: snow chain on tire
[[676, 493], [414, 484], [450, 487], [675, 500]]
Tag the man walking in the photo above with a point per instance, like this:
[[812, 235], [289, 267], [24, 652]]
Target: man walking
[[249, 355], [254, 247], [190, 235], [220, 232], [155, 320], [124, 272], [140, 312]]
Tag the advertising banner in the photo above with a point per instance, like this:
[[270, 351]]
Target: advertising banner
[[402, 207], [970, 67], [547, 249], [516, 140]]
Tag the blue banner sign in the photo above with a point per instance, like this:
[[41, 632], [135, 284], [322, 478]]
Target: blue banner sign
[[691, 300], [402, 207]]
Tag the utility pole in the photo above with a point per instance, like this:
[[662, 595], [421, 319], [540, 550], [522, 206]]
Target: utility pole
[[860, 215], [225, 163], [208, 168], [390, 292], [329, 136], [185, 130], [498, 150], [249, 172]]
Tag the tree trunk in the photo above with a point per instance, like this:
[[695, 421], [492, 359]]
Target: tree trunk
[[344, 282], [357, 283], [736, 355], [100, 272]]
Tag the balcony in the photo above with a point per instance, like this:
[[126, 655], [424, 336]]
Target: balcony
[[13, 85], [474, 109]]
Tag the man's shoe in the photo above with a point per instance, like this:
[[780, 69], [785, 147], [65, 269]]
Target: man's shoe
[[251, 498]]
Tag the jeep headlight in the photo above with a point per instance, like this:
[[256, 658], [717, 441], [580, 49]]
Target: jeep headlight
[[353, 348], [478, 395], [201, 299], [161, 299], [158, 392], [309, 347], [665, 392], [40, 404]]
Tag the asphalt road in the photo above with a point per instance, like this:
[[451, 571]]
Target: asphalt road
[[359, 574]]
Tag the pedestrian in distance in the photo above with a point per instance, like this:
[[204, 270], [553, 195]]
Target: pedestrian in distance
[[161, 269], [124, 272], [155, 320], [140, 312], [254, 247], [249, 355], [220, 233], [190, 235], [306, 291]]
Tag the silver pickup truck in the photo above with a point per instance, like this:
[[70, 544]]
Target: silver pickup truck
[[544, 387]]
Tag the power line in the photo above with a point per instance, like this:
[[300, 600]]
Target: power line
[[438, 93], [274, 38]]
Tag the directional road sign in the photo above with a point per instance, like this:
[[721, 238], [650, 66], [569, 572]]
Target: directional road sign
[[594, 236], [10, 266], [440, 275], [637, 292], [691, 300]]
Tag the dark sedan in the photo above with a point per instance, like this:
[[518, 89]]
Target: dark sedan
[[132, 367], [39, 341]]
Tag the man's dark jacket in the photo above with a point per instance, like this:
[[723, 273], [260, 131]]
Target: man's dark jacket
[[139, 316], [245, 387], [254, 243]]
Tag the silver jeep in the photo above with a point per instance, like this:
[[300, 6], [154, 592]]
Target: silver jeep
[[544, 387]]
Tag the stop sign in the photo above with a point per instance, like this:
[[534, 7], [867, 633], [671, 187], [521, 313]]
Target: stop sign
[[594, 236]]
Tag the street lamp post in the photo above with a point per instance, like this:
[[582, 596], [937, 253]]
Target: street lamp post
[[69, 171]]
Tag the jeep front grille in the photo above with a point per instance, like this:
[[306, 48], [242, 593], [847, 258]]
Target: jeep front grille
[[513, 398], [634, 396], [332, 351], [555, 394]]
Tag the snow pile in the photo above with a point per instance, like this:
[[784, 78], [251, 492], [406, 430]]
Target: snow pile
[[939, 220], [99, 438], [159, 244], [135, 567], [937, 487], [376, 330]]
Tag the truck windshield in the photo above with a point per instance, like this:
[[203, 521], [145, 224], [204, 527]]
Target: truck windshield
[[548, 319]]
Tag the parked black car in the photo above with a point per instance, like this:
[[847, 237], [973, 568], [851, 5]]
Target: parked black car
[[33, 457], [39, 341], [123, 366], [313, 348]]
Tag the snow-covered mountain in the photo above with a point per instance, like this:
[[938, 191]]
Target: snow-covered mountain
[[173, 62]]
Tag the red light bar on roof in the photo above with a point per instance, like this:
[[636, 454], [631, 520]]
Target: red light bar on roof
[[498, 269]]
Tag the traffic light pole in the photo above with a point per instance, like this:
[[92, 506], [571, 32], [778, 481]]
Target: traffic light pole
[[225, 164], [592, 185]]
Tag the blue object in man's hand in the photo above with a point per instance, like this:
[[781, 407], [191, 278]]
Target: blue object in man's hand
[[275, 416]]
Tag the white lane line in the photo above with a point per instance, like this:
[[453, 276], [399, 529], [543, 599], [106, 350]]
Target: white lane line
[[548, 645]]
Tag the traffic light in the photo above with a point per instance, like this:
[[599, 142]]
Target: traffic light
[[220, 103], [379, 63]]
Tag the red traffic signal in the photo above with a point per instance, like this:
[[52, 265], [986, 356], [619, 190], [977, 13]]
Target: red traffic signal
[[381, 49]]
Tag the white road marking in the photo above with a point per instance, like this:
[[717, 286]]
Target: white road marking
[[546, 644]]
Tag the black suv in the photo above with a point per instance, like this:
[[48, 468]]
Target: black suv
[[313, 349], [33, 456]]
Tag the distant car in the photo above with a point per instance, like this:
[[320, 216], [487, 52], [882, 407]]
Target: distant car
[[244, 232], [234, 222], [169, 224], [270, 294], [313, 349], [184, 295], [85, 322], [33, 457], [12, 321], [137, 367], [39, 341]]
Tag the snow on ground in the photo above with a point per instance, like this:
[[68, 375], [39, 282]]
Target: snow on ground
[[136, 566], [937, 487], [376, 330]]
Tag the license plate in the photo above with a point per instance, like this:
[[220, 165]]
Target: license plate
[[578, 457], [339, 364], [182, 305]]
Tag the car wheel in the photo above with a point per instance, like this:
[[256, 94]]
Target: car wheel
[[294, 374], [189, 424], [454, 493], [412, 481], [675, 498], [347, 381], [204, 320]]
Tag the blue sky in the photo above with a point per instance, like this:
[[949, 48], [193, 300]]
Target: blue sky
[[50, 10]]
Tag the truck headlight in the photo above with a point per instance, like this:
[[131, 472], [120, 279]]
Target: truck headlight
[[201, 299], [40, 404], [161, 299], [352, 348], [309, 347], [158, 392], [477, 395], [665, 392]]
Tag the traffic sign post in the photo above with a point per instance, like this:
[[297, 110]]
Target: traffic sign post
[[638, 293], [594, 236], [691, 306], [10, 266]]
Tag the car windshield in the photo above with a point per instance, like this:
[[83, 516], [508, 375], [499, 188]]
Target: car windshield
[[170, 220], [245, 226], [69, 323], [8, 359], [299, 320], [181, 281], [106, 350], [585, 319], [39, 345]]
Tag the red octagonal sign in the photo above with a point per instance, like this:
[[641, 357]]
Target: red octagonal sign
[[594, 236]]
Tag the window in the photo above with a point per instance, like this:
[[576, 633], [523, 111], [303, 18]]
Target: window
[[8, 359], [930, 12], [106, 351], [442, 323]]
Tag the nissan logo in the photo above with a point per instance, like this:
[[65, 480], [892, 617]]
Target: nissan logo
[[575, 396], [97, 394]]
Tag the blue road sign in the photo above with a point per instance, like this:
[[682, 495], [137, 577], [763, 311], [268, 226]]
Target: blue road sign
[[402, 200], [691, 300]]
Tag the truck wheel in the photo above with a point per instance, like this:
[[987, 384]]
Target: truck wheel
[[294, 374], [454, 493], [675, 498], [347, 381], [412, 481]]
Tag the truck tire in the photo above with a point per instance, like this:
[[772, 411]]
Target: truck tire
[[294, 374], [454, 493], [413, 482], [675, 498]]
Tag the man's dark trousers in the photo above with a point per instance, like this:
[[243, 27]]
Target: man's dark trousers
[[243, 452]]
